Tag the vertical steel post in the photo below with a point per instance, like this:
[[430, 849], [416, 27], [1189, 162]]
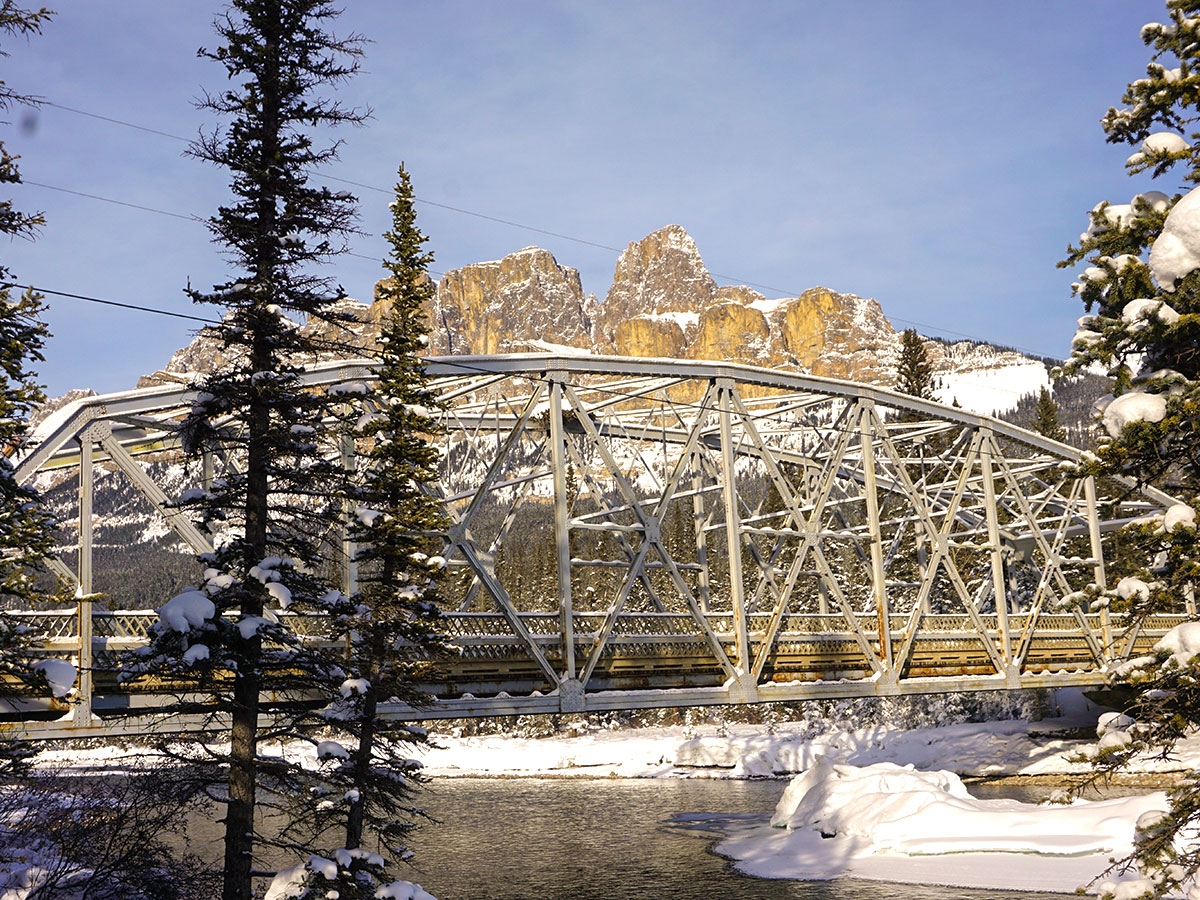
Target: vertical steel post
[[923, 567], [349, 547], [999, 585], [83, 596], [733, 525], [879, 586], [562, 524], [698, 522], [1097, 549]]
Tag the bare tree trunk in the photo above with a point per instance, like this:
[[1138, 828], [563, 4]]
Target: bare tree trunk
[[362, 766], [239, 814], [243, 751]]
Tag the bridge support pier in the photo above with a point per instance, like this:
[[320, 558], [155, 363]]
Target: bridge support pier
[[1012, 676], [743, 689], [571, 698]]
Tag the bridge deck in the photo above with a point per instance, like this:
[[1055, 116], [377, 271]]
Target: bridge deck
[[650, 660]]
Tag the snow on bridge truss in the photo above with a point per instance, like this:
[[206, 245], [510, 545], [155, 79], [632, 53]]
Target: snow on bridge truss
[[882, 544]]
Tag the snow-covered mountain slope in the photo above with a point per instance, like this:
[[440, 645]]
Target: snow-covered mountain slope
[[985, 379]]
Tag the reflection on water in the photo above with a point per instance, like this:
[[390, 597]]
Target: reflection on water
[[577, 839]]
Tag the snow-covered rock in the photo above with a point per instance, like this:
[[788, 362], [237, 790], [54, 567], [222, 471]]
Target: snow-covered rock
[[896, 823], [902, 810]]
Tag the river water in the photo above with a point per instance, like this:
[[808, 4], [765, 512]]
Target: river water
[[608, 839]]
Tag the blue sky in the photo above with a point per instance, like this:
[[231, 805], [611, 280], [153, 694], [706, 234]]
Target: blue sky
[[937, 156]]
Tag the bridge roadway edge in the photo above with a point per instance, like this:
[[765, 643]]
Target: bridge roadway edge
[[194, 724]]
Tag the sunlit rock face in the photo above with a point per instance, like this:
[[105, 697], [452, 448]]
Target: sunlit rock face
[[660, 275], [663, 303], [839, 336], [649, 336], [498, 307], [733, 332]]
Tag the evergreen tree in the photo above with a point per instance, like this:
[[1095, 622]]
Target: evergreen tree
[[25, 526], [914, 371], [397, 525], [272, 509], [1045, 417], [1143, 325]]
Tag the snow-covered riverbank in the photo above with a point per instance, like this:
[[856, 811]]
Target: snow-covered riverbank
[[984, 749], [864, 815], [863, 800]]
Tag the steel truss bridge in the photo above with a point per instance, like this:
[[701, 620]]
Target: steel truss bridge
[[882, 544]]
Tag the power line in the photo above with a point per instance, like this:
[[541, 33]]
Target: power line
[[162, 212], [134, 306], [466, 212], [62, 190], [91, 115]]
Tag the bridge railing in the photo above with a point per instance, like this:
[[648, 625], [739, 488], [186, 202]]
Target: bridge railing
[[57, 631]]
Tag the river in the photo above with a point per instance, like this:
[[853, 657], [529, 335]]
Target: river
[[608, 839]]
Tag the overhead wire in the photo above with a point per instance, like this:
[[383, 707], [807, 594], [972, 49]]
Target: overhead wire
[[63, 190], [510, 223], [148, 309], [166, 212]]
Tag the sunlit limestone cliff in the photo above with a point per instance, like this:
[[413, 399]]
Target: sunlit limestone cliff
[[663, 302]]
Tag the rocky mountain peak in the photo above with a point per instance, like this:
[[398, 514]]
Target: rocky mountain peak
[[661, 273], [500, 306], [663, 302]]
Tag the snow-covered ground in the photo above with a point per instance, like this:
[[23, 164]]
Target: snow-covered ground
[[894, 823], [750, 751], [915, 824], [991, 391]]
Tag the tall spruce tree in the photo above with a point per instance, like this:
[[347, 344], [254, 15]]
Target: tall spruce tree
[[26, 526], [1144, 327], [272, 508], [914, 371], [397, 525], [1045, 417]]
